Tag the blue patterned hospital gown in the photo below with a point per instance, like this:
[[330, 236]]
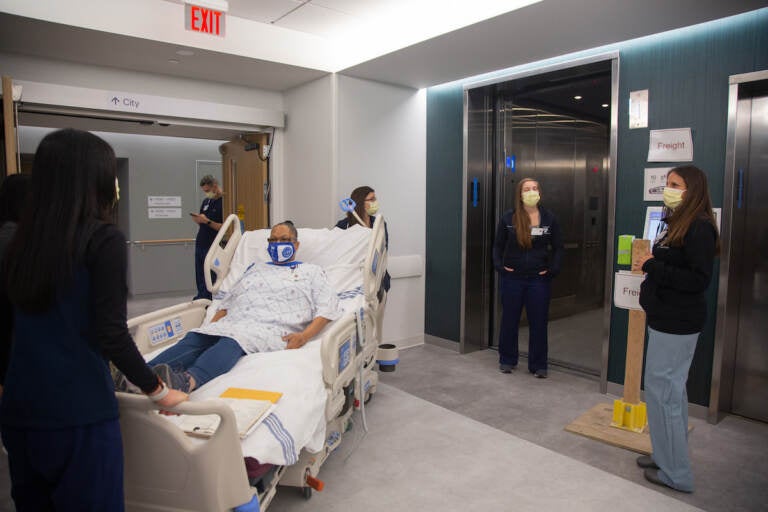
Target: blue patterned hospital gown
[[269, 301]]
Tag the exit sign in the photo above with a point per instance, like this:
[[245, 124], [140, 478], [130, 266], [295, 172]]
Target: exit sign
[[204, 19]]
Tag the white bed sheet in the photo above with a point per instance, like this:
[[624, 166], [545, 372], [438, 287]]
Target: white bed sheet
[[298, 421]]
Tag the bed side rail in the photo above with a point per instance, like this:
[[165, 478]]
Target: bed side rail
[[376, 262], [167, 471], [338, 353], [168, 325], [219, 258]]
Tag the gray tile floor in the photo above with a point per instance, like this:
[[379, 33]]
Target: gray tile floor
[[729, 459]]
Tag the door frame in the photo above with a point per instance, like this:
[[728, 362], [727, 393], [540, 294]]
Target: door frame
[[613, 57], [726, 324]]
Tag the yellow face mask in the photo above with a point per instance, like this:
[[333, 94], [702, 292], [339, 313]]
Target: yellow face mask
[[531, 198], [672, 197], [372, 208]]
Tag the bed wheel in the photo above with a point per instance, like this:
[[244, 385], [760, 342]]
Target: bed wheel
[[306, 492], [368, 398]]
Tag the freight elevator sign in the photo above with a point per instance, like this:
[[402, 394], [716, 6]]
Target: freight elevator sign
[[204, 19]]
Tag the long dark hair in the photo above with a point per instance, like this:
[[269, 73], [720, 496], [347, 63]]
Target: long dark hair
[[520, 219], [72, 194], [696, 205], [13, 197], [358, 196]]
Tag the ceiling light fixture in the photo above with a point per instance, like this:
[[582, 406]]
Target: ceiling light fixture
[[185, 53], [604, 105], [173, 61], [577, 97]]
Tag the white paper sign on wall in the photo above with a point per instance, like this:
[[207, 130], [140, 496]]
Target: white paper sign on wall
[[626, 290], [164, 213], [160, 201], [672, 145], [655, 181], [638, 109]]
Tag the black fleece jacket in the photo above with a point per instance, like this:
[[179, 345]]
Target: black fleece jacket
[[673, 292], [546, 252]]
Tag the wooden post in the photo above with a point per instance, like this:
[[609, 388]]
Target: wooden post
[[633, 369], [9, 127]]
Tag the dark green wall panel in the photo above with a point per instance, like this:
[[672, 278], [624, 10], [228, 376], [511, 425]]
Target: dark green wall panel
[[445, 112], [686, 72]]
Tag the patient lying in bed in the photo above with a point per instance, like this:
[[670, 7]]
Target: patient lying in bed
[[278, 305]]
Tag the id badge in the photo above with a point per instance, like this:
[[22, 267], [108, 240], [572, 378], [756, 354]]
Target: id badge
[[537, 231]]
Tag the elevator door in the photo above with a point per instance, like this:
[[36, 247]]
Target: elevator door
[[750, 390]]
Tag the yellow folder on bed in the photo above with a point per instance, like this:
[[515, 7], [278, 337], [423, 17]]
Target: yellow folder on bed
[[252, 394]]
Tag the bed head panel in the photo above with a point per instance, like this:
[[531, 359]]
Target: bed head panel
[[219, 258], [340, 252]]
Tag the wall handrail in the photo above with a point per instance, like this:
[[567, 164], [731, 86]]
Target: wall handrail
[[169, 241]]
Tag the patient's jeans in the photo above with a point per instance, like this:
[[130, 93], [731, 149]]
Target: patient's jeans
[[204, 356]]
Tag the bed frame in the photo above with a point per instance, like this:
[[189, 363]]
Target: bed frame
[[167, 471]]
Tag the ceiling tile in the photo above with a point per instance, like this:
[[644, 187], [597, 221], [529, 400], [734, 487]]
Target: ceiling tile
[[317, 20], [361, 8], [263, 11]]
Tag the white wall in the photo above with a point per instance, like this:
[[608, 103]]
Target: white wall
[[382, 143], [308, 189]]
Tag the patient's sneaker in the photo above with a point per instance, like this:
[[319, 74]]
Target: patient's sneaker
[[123, 384], [172, 378]]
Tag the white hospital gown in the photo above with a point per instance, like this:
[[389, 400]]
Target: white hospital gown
[[270, 301]]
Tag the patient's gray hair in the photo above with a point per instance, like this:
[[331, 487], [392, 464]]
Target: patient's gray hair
[[291, 228]]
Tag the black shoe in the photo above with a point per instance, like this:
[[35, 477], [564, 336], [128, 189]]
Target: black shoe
[[646, 461], [540, 374], [507, 368], [652, 475]]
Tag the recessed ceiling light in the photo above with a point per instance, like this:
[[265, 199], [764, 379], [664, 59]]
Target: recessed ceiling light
[[172, 61], [604, 105], [577, 97], [185, 53]]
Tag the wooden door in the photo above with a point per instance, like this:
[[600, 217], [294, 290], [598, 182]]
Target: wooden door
[[8, 151], [245, 174]]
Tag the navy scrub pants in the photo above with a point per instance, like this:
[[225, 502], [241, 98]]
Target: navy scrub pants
[[200, 254], [78, 469], [533, 293]]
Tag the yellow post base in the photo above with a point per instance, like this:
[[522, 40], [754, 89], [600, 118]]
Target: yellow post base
[[629, 416]]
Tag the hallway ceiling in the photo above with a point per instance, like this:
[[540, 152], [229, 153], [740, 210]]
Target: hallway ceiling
[[538, 31]]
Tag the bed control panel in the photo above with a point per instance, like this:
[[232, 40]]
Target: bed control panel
[[162, 332]]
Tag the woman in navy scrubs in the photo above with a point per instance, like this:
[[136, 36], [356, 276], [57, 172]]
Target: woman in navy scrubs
[[526, 253]]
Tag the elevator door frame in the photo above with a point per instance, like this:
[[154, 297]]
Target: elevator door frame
[[613, 57], [726, 326]]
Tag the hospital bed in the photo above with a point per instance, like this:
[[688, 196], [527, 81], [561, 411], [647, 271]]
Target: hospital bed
[[322, 383]]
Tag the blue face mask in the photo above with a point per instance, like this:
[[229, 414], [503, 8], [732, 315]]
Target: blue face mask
[[280, 252]]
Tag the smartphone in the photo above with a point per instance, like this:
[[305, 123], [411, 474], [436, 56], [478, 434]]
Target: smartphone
[[194, 214]]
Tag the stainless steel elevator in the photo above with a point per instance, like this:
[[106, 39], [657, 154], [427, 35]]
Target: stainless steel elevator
[[555, 128], [741, 346]]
